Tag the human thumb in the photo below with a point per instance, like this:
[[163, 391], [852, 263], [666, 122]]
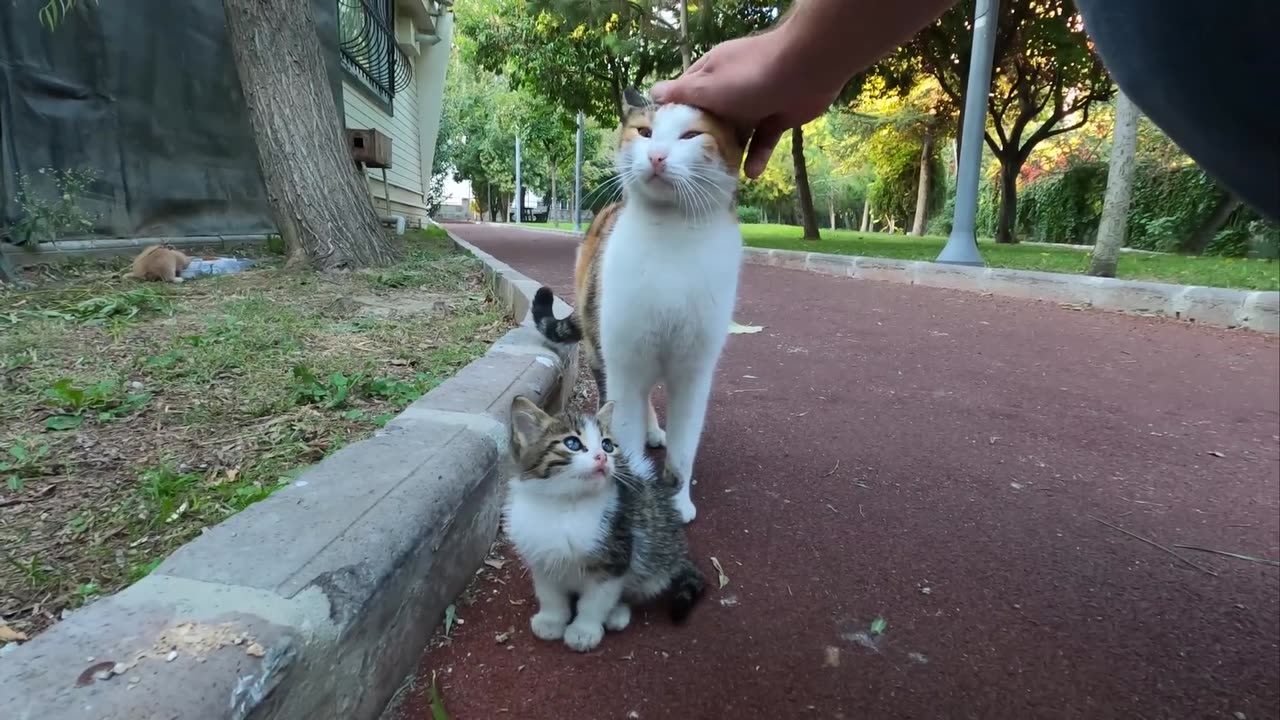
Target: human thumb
[[687, 90]]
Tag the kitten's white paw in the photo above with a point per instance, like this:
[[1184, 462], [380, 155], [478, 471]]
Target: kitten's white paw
[[656, 437], [547, 626], [619, 618], [581, 636], [179, 280], [686, 509]]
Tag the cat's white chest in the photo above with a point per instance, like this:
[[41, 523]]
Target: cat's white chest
[[554, 535]]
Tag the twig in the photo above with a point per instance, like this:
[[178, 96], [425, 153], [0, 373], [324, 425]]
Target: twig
[[45, 492], [1224, 553], [734, 392], [833, 470], [1154, 544]]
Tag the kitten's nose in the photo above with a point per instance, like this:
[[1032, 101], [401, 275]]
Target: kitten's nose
[[601, 459], [658, 159]]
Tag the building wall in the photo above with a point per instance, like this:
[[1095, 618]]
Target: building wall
[[402, 125]]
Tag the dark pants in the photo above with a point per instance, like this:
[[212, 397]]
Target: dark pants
[[1206, 72]]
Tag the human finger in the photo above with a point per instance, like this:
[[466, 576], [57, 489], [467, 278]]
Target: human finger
[[763, 142]]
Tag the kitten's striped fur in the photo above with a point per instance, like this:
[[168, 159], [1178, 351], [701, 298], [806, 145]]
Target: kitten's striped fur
[[607, 533]]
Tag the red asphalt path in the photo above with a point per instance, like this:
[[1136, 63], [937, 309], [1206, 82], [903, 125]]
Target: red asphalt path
[[941, 460]]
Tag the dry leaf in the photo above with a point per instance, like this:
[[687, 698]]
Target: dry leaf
[[495, 564], [1215, 453], [8, 634], [831, 657], [724, 579], [737, 329], [255, 650]]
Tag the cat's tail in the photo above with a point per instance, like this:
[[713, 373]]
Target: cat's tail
[[556, 330], [687, 587]]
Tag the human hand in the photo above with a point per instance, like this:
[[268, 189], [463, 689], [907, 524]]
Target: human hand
[[754, 84]]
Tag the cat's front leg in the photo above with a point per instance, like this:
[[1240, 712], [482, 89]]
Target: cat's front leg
[[687, 396], [595, 606], [553, 609]]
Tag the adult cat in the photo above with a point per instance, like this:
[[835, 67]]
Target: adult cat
[[656, 279]]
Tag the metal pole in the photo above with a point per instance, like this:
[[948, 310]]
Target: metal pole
[[577, 178], [519, 184], [962, 246]]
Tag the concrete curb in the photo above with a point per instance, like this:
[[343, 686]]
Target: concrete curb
[[318, 601], [64, 250], [1219, 307]]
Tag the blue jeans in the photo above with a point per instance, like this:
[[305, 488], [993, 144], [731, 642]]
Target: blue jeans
[[1206, 73]]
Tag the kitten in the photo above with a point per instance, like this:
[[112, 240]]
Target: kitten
[[656, 279], [159, 262], [590, 520]]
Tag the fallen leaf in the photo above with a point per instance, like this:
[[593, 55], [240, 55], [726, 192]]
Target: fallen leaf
[[878, 625], [495, 564], [502, 638], [450, 617], [831, 656], [736, 329], [8, 634], [255, 650], [724, 579], [1215, 453]]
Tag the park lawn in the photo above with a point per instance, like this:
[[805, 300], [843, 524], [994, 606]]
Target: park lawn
[[1208, 271], [133, 415]]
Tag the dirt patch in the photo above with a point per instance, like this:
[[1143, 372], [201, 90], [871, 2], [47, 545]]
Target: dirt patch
[[134, 415]]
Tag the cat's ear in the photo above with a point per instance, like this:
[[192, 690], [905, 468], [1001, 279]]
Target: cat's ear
[[604, 416], [527, 421], [635, 101]]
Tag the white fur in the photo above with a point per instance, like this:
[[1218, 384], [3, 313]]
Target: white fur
[[669, 278], [555, 523]]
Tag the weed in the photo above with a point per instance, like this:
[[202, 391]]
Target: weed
[[23, 460], [106, 398], [165, 494], [329, 393], [44, 220]]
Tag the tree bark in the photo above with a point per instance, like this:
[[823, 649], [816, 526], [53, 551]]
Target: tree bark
[[808, 216], [319, 201], [686, 51], [1115, 205], [1005, 229], [924, 185], [1197, 241]]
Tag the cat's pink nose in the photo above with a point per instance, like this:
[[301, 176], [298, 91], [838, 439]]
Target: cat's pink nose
[[602, 460], [658, 159]]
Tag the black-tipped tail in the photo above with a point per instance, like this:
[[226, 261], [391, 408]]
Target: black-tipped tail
[[687, 587], [557, 331]]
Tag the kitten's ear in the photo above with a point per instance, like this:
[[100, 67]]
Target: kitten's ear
[[604, 416], [634, 100], [527, 421]]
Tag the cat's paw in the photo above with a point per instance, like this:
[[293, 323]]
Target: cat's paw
[[582, 636], [179, 280], [656, 437], [685, 507], [619, 618], [547, 626]]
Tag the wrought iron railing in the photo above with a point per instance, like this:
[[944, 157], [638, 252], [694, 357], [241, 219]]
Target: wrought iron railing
[[369, 50]]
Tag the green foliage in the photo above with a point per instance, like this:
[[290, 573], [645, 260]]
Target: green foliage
[[338, 389], [45, 219], [748, 215], [108, 400]]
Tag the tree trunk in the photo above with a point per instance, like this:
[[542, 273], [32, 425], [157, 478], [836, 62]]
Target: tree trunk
[[320, 204], [554, 205], [1115, 206], [808, 216], [1005, 230], [831, 210], [1197, 241], [866, 215], [686, 50], [922, 188]]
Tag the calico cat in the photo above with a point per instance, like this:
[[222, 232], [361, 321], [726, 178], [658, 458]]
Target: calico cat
[[159, 262], [591, 520], [656, 279]]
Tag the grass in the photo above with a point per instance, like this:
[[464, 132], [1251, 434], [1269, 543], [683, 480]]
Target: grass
[[1208, 271], [134, 415], [1247, 274]]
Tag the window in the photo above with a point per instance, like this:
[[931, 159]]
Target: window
[[368, 45]]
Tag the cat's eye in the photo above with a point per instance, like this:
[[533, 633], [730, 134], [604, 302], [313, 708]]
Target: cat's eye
[[691, 135], [572, 443], [607, 445], [645, 132]]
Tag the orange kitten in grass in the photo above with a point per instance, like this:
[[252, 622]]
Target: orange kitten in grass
[[159, 262]]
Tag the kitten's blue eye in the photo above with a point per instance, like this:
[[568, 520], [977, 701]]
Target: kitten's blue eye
[[572, 443], [607, 445]]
